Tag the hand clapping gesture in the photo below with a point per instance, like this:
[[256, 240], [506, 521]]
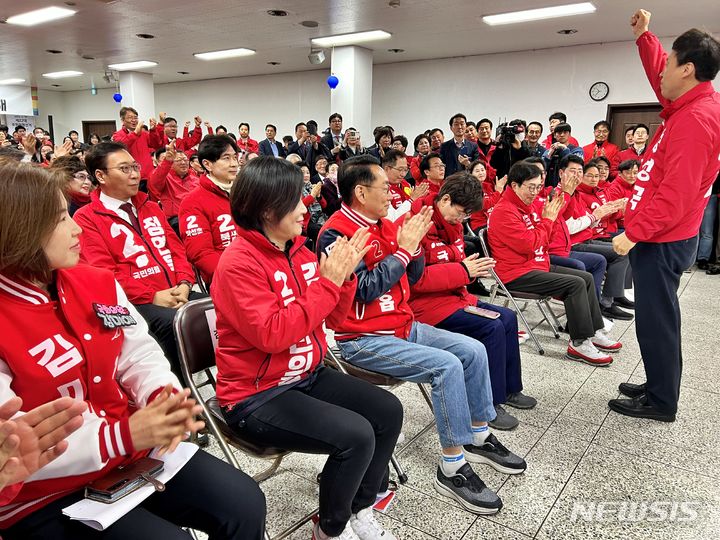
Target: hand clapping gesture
[[413, 229]]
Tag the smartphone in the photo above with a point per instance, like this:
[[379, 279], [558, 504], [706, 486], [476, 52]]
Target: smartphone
[[352, 133], [482, 312], [551, 195]]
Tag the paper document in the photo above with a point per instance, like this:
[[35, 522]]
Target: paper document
[[100, 516]]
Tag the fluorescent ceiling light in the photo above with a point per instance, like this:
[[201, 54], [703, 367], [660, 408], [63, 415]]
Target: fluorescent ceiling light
[[140, 64], [221, 55], [62, 74], [350, 39], [539, 14], [39, 16], [12, 81]]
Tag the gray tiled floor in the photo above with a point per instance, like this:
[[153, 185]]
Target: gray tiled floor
[[578, 453]]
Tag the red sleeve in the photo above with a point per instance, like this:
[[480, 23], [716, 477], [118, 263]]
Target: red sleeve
[[308, 200], [210, 131], [653, 58], [436, 251], [519, 238], [347, 295], [158, 178], [196, 136], [199, 244], [9, 493], [442, 277], [128, 138], [415, 169], [156, 137]]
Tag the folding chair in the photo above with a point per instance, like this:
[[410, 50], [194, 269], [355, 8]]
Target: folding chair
[[196, 335], [540, 301]]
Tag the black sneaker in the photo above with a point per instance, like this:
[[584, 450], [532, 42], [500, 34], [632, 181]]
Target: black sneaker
[[703, 264], [493, 453], [466, 488]]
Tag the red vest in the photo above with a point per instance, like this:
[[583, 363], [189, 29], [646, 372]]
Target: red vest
[[168, 188]]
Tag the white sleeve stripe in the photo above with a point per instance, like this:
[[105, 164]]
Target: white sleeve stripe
[[118, 439], [403, 258], [108, 441]]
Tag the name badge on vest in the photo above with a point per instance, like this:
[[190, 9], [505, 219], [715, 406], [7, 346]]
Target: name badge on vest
[[114, 316]]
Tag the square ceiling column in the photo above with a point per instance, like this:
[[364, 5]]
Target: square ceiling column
[[353, 66], [138, 91]]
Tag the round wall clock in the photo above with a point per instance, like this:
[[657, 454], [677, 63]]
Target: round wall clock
[[599, 91]]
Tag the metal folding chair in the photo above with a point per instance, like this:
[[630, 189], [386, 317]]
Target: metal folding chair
[[195, 333]]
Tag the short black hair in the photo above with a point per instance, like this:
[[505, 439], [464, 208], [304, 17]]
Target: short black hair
[[334, 115], [702, 50], [485, 121], [602, 123], [241, 124], [354, 171], [288, 138], [195, 157], [535, 122], [320, 158], [592, 164], [464, 190], [383, 132], [521, 171], [433, 130], [300, 124], [19, 127], [479, 161], [159, 152], [96, 158], [603, 159], [628, 164], [4, 128], [631, 127], [221, 127], [272, 126], [425, 163], [558, 116], [266, 190], [641, 125], [69, 132], [470, 123], [562, 127], [571, 158], [535, 160], [213, 146], [390, 157], [419, 138], [402, 139], [457, 115]]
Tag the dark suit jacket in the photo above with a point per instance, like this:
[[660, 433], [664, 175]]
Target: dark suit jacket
[[449, 153], [266, 150], [328, 141]]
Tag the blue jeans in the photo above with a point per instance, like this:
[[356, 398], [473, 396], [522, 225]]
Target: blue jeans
[[456, 367], [586, 261], [707, 228], [500, 337]]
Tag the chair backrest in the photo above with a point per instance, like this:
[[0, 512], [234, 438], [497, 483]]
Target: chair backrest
[[196, 335], [482, 236]]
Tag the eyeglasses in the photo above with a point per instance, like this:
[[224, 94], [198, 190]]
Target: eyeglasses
[[82, 176], [438, 166], [402, 170], [602, 131], [127, 169], [534, 188]]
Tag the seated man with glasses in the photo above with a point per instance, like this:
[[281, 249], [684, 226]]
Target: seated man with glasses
[[441, 298], [394, 163], [601, 146], [128, 234], [432, 171], [171, 181], [380, 334], [520, 239]]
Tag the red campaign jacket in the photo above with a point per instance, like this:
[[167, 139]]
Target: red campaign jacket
[[619, 189], [681, 162], [251, 146], [547, 143], [384, 310], [560, 243], [400, 193], [631, 153], [206, 226], [139, 147], [168, 188], [607, 149], [271, 308], [142, 263], [519, 238], [491, 197], [441, 290], [588, 199], [183, 144], [60, 347]]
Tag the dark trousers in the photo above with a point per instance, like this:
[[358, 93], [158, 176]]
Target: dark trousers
[[657, 269], [160, 321], [354, 422], [577, 291], [206, 494], [500, 337], [617, 267], [593, 263]]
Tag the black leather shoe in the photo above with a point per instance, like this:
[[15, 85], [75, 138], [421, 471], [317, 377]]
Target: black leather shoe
[[614, 312], [624, 303], [639, 408], [714, 270], [632, 390], [702, 264]]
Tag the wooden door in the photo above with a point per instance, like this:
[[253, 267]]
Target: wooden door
[[622, 117], [101, 128]]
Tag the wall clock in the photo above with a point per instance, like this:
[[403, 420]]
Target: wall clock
[[599, 91]]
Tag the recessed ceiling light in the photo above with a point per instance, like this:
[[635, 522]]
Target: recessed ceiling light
[[277, 13], [62, 74], [126, 66], [350, 39], [53, 51], [309, 24], [184, 72], [87, 57], [40, 16], [56, 85], [539, 14], [12, 81], [567, 31], [274, 63], [396, 51], [145, 36], [221, 55]]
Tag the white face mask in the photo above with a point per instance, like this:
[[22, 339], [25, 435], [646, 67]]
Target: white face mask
[[520, 137]]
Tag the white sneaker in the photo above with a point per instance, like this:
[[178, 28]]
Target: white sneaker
[[608, 324], [366, 526], [586, 352], [347, 534], [602, 341]]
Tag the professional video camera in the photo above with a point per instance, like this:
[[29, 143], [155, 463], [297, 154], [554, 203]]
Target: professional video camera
[[506, 132]]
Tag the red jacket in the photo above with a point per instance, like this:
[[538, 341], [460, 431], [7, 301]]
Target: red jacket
[[61, 347], [619, 189], [607, 149], [167, 187], [400, 193], [631, 153], [139, 147], [441, 290], [206, 226], [519, 238], [491, 197], [181, 144], [142, 263], [271, 309], [588, 199], [381, 303], [560, 243], [250, 146], [681, 163], [547, 143]]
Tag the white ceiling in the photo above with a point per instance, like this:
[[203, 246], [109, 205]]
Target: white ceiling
[[105, 30]]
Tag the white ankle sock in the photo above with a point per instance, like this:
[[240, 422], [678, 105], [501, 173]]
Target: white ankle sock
[[480, 434], [451, 463]]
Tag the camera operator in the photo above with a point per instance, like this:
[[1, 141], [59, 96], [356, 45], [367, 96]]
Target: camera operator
[[509, 146], [561, 148]]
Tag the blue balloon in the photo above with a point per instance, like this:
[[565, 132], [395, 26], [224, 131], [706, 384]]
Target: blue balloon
[[333, 81], [117, 98]]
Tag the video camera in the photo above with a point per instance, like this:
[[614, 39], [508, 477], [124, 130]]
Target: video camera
[[506, 132]]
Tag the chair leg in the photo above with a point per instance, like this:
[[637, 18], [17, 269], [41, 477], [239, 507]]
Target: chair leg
[[554, 317], [294, 527], [402, 475], [267, 473], [547, 317]]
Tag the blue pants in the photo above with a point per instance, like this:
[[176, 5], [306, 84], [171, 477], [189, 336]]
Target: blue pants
[[707, 229], [500, 337], [594, 263]]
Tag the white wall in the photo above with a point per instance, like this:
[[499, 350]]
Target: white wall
[[411, 96]]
